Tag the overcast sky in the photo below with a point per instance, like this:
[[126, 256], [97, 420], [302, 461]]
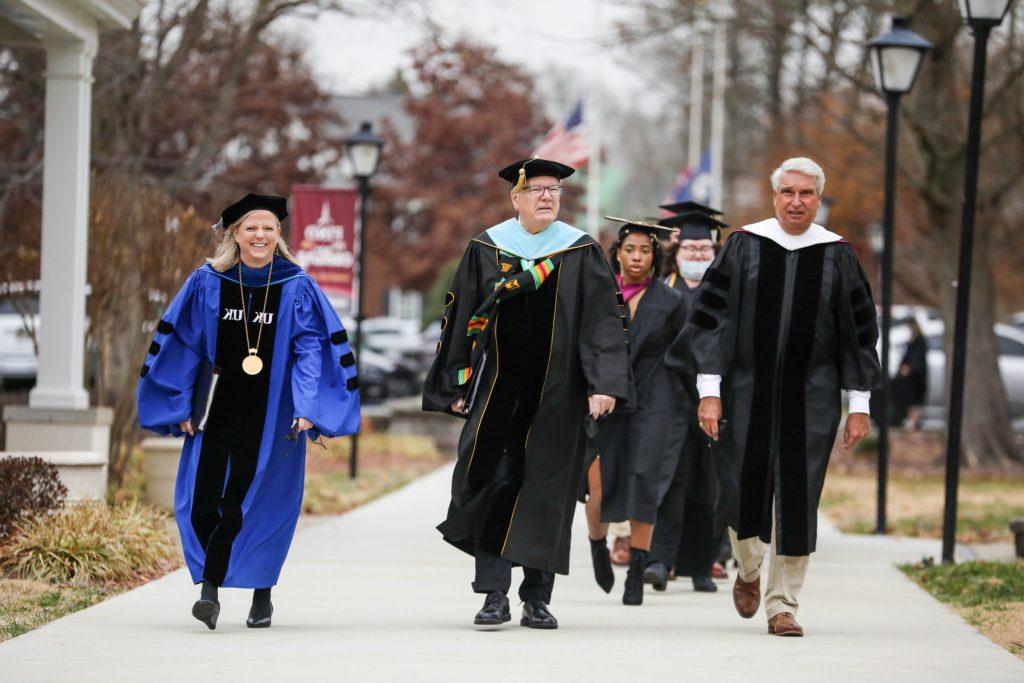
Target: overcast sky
[[352, 55]]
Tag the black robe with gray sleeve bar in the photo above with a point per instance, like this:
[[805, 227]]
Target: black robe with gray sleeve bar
[[787, 331]]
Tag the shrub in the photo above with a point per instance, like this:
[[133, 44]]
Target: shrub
[[28, 487], [92, 543]]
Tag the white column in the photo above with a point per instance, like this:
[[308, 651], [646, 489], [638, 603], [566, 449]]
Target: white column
[[65, 226]]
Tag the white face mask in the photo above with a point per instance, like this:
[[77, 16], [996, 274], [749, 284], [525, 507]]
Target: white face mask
[[693, 270]]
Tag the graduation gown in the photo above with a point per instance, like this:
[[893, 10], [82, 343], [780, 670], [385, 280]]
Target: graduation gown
[[638, 448], [548, 350], [239, 484], [787, 330]]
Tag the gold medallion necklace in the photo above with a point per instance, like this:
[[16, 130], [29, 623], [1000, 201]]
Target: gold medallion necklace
[[253, 364]]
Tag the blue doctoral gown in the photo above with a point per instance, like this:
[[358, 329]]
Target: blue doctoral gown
[[312, 375]]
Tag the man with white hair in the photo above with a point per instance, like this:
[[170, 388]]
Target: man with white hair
[[783, 321]]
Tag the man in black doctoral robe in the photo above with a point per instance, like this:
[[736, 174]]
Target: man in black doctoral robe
[[532, 341], [783, 322]]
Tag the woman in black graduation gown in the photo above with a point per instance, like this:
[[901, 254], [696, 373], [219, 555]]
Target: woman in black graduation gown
[[632, 449], [688, 538]]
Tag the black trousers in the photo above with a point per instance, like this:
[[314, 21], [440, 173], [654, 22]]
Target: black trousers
[[230, 449], [494, 573]]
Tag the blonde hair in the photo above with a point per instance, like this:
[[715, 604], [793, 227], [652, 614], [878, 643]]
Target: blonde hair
[[228, 252]]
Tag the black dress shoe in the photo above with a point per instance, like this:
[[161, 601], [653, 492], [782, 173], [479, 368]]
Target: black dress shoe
[[704, 584], [207, 612], [259, 615], [634, 593], [495, 610], [603, 573], [656, 574], [537, 615]]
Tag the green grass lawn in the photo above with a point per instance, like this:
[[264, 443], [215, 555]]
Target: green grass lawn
[[915, 505], [989, 595], [25, 604]]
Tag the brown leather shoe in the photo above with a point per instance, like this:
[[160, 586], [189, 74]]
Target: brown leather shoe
[[746, 596], [783, 624]]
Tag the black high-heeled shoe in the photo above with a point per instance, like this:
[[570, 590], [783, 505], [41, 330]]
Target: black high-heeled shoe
[[603, 573], [262, 609], [634, 593], [207, 607]]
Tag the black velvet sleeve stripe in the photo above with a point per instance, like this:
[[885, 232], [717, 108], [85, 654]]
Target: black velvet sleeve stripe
[[863, 316], [865, 338], [353, 383], [143, 371], [702, 319], [347, 360], [718, 278], [858, 297], [712, 300], [154, 349], [164, 327], [339, 337]]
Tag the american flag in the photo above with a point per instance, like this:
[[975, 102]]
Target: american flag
[[566, 142], [693, 184]]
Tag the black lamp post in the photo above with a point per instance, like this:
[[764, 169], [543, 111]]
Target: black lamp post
[[982, 16], [363, 152], [897, 57]]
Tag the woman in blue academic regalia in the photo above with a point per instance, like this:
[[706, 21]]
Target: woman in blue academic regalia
[[247, 357]]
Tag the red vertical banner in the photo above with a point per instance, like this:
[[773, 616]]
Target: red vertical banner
[[324, 240]]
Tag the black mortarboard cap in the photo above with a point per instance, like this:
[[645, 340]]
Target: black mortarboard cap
[[688, 205], [695, 225], [252, 202], [636, 225], [519, 172]]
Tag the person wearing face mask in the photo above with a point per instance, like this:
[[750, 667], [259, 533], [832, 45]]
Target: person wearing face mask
[[687, 538], [532, 343], [247, 357], [632, 449]]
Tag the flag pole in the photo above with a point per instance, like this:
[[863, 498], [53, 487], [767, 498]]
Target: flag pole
[[696, 103], [592, 120], [718, 116]]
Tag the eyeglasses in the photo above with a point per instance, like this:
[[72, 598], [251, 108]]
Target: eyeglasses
[[538, 190], [695, 251]]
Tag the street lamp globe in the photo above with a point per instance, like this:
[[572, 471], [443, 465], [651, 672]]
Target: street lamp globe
[[896, 57], [984, 12], [876, 238], [363, 150]]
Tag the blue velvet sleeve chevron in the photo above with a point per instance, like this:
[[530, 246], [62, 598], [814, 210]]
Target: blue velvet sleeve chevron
[[325, 387], [173, 358]]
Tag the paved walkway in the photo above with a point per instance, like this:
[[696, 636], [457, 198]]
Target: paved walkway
[[376, 595]]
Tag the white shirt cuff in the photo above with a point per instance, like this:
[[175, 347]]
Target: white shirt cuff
[[859, 401], [709, 385]]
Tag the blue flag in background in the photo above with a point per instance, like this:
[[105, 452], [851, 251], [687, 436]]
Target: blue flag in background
[[693, 184]]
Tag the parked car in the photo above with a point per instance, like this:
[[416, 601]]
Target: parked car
[[1009, 345], [17, 354]]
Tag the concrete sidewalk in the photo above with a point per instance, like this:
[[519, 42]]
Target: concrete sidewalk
[[376, 595]]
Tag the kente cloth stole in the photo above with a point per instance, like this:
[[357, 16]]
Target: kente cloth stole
[[506, 287]]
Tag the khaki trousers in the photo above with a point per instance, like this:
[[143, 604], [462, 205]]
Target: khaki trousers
[[785, 573]]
